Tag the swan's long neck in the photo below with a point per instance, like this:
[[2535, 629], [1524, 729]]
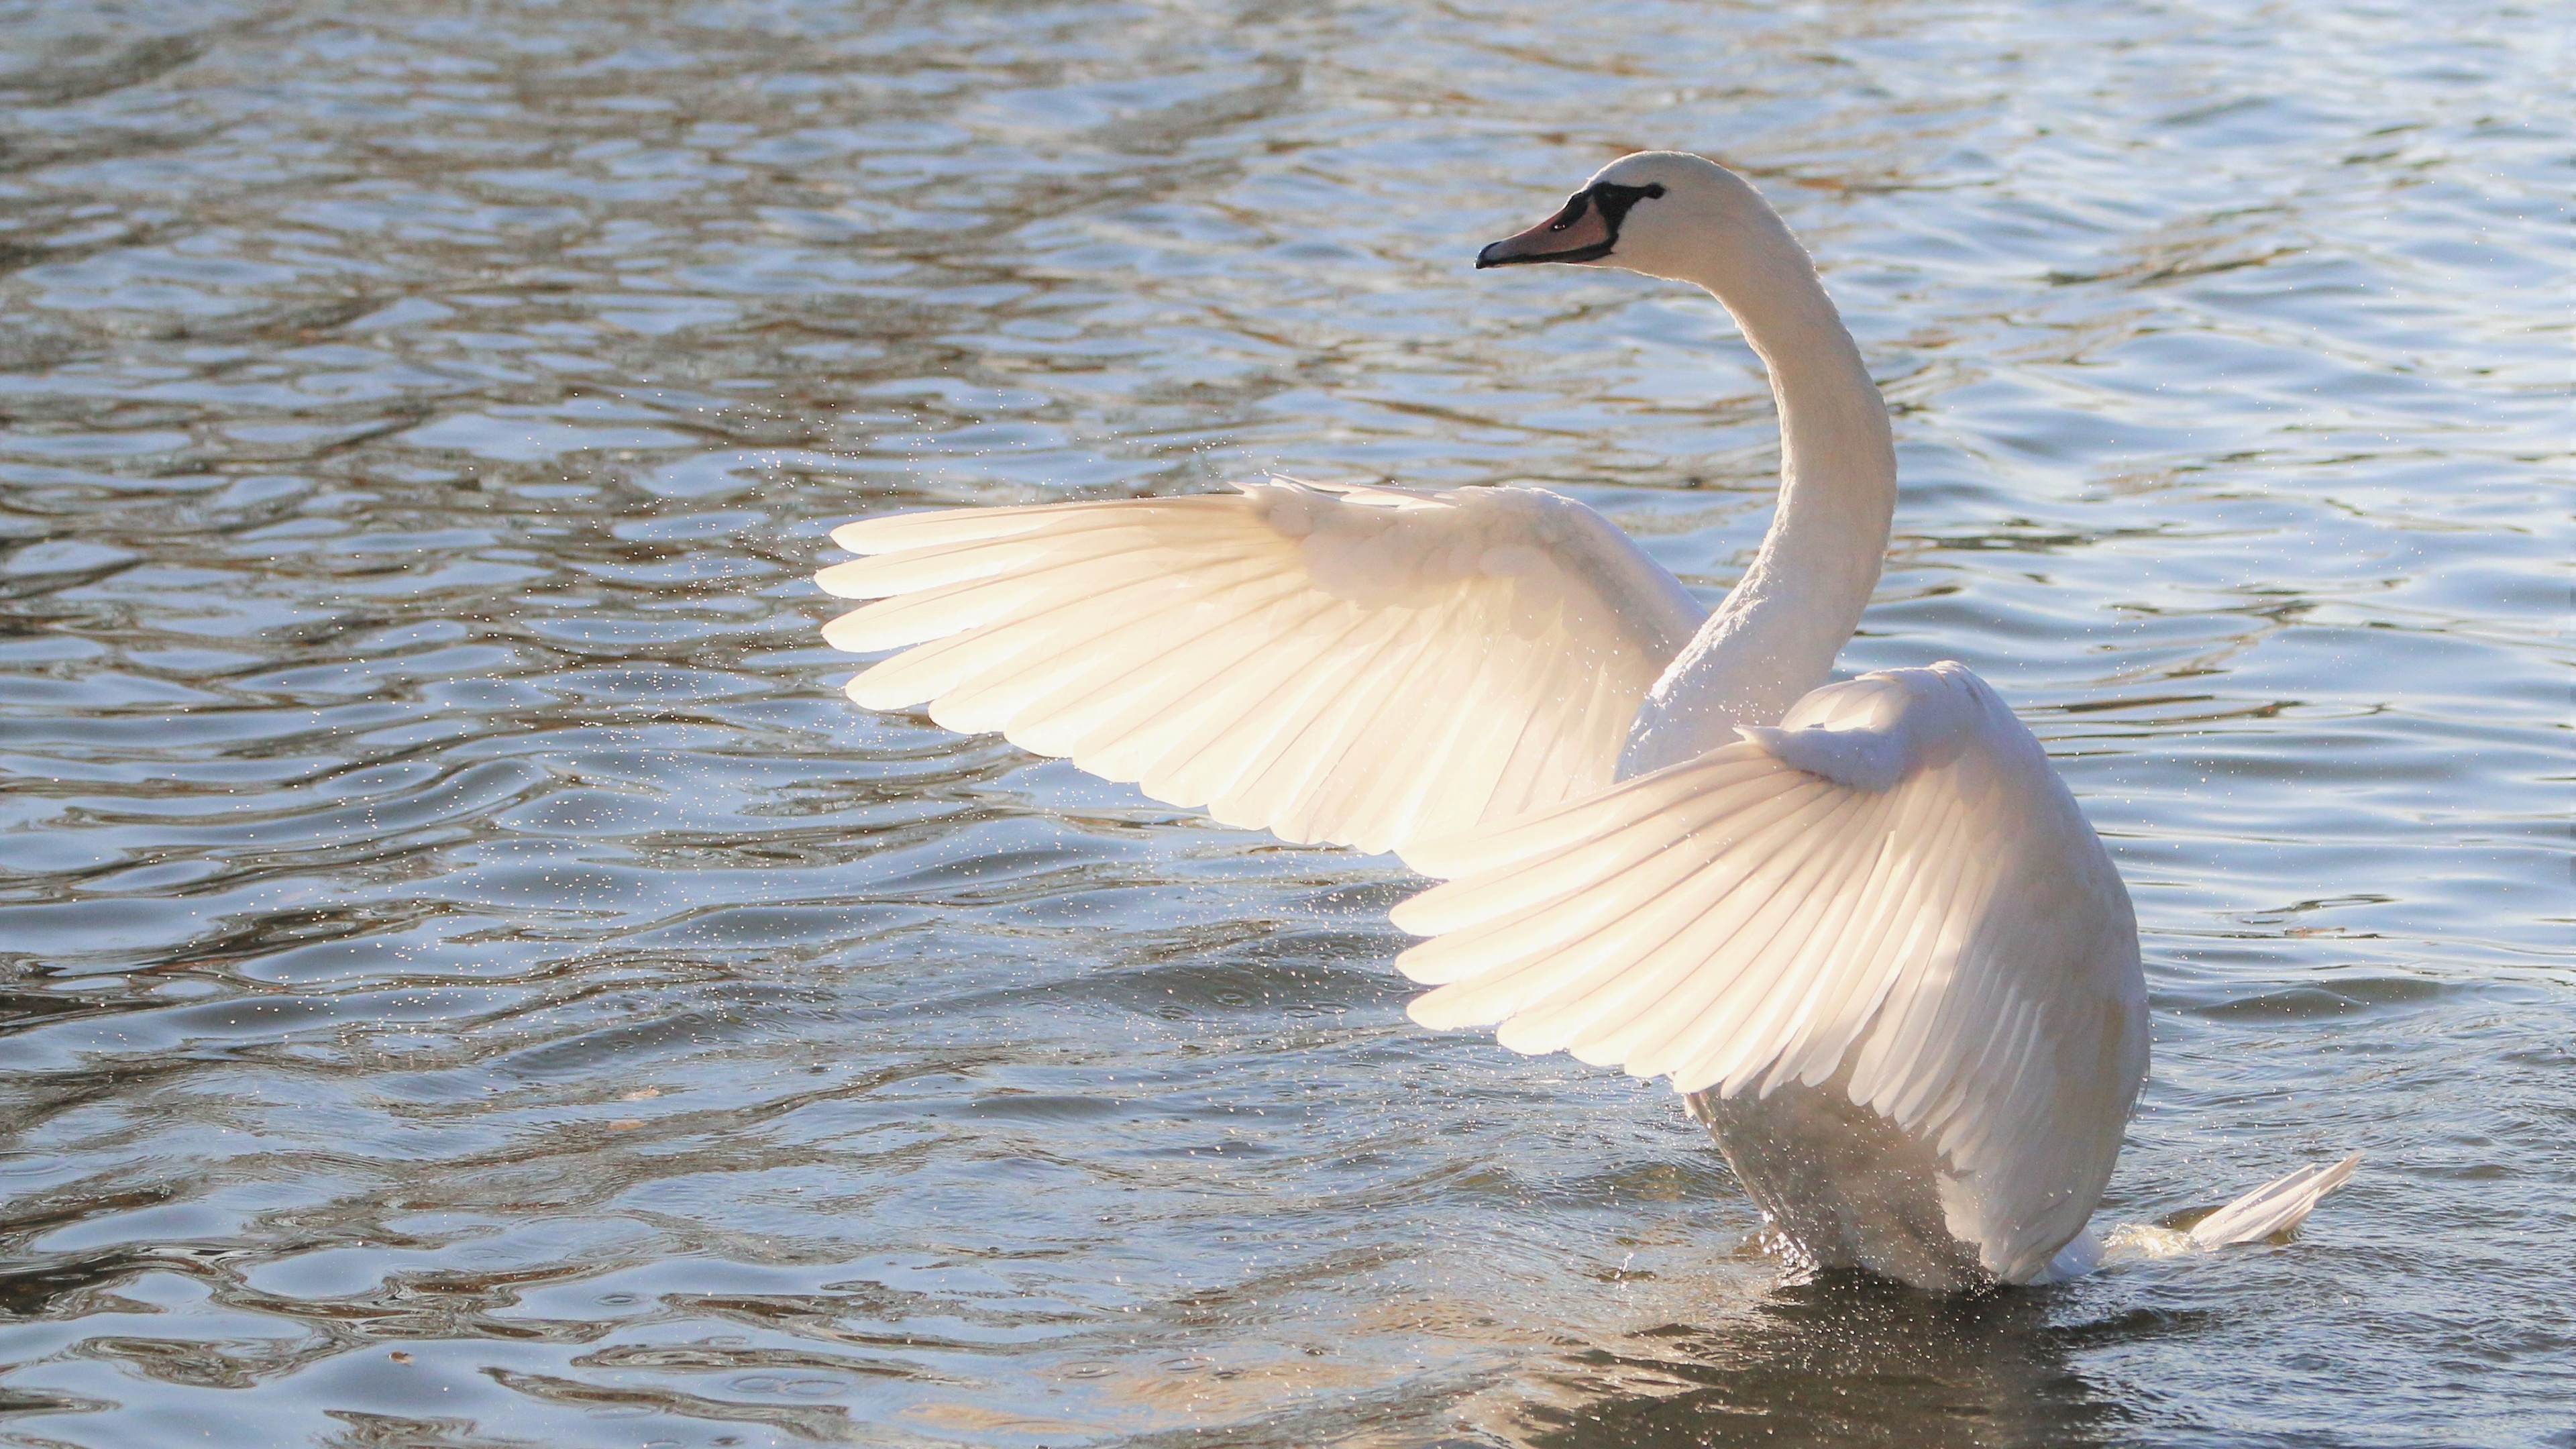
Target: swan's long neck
[[1776, 635]]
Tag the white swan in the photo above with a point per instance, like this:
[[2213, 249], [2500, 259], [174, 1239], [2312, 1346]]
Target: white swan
[[1863, 925]]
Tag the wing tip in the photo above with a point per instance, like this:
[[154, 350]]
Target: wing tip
[[1437, 1010], [2277, 1207], [878, 697]]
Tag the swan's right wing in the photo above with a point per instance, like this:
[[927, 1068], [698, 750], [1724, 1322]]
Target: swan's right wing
[[1364, 666], [1893, 891]]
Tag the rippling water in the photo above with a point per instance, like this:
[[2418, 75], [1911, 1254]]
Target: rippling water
[[469, 980]]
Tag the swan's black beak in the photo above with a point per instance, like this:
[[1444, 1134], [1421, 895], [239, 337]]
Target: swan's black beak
[[1582, 232]]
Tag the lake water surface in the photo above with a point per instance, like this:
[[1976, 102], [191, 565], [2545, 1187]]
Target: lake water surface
[[470, 980]]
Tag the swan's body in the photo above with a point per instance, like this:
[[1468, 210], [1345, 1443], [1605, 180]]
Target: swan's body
[[1863, 925]]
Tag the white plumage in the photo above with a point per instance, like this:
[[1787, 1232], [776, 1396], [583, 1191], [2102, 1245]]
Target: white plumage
[[1862, 925], [1362, 666], [1892, 889]]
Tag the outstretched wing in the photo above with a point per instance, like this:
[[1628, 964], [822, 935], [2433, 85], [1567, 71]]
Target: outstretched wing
[[1893, 890], [1365, 666]]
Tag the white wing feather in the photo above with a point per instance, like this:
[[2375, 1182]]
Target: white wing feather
[[1365, 666], [1893, 890]]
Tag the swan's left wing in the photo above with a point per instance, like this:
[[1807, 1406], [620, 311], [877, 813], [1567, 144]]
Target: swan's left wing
[[1364, 666], [1893, 891]]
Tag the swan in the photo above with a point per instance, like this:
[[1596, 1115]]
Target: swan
[[1862, 926]]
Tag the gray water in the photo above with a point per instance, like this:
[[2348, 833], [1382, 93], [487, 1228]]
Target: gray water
[[471, 980]]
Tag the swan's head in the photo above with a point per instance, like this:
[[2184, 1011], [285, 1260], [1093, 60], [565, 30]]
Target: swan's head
[[1656, 212]]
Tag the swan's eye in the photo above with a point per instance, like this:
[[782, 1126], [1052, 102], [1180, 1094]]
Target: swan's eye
[[1616, 201]]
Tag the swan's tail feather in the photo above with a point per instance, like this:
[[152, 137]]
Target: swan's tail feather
[[2268, 1211], [2275, 1207]]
